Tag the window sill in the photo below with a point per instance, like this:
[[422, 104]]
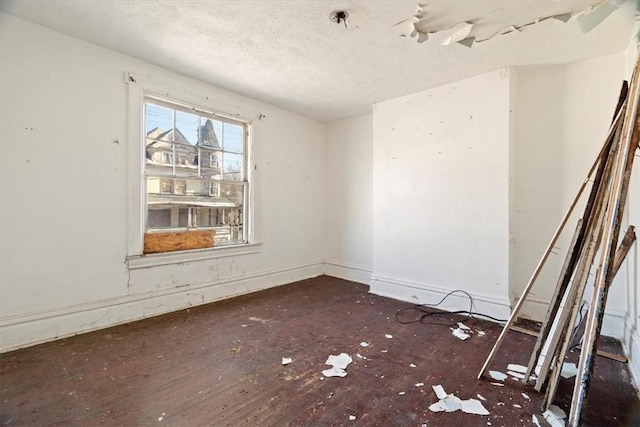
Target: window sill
[[135, 262]]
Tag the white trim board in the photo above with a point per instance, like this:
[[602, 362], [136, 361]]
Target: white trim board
[[35, 328], [419, 293], [347, 271]]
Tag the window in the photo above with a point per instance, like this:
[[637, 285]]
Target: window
[[195, 172], [213, 161]]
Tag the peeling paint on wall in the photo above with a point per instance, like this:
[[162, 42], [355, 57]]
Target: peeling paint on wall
[[447, 23]]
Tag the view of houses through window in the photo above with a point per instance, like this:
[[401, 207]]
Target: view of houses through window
[[195, 171]]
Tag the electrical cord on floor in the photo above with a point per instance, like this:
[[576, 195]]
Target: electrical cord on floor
[[428, 311]]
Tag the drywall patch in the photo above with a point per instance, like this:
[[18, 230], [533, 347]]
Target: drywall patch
[[468, 23]]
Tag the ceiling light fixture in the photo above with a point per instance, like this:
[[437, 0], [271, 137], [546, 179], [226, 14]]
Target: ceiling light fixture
[[339, 16]]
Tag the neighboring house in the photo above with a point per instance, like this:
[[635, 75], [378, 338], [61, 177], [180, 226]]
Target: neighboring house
[[185, 187]]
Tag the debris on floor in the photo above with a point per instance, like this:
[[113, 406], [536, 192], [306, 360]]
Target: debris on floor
[[352, 417], [286, 360], [480, 396], [498, 376], [339, 364], [526, 396], [463, 326], [459, 333], [452, 403], [555, 416], [364, 344], [569, 370], [388, 336]]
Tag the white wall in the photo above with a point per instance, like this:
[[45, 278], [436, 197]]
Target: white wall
[[563, 115], [349, 205], [65, 199], [441, 172]]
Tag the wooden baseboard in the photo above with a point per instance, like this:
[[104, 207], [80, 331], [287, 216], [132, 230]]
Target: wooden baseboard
[[177, 241]]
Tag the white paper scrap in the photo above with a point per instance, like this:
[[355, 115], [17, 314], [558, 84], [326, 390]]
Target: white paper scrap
[[412, 365], [480, 397], [286, 360], [534, 419], [500, 404], [526, 396], [352, 417], [463, 326], [439, 391], [388, 336], [552, 419], [517, 368], [359, 356], [383, 351], [568, 370], [451, 403], [473, 406], [498, 384], [339, 364], [364, 344], [340, 361], [458, 333], [515, 405], [497, 375], [401, 393], [558, 412], [481, 333], [419, 384]]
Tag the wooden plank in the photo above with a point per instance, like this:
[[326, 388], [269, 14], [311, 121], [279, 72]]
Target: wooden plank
[[605, 269], [579, 240], [178, 241], [545, 256]]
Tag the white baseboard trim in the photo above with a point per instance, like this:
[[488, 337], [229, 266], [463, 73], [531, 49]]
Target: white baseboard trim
[[420, 293], [347, 271], [535, 308], [35, 328], [631, 348]]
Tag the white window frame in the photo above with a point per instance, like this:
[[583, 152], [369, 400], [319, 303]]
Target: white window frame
[[139, 87]]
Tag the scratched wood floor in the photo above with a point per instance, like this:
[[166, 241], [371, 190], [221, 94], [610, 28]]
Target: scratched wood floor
[[220, 365]]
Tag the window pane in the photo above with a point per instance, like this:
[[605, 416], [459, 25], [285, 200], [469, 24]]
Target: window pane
[[233, 193], [159, 121], [187, 128], [232, 165], [233, 139], [159, 218]]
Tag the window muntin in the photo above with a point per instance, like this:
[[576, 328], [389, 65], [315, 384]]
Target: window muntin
[[195, 171]]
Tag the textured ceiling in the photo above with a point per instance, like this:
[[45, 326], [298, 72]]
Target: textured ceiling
[[290, 54]]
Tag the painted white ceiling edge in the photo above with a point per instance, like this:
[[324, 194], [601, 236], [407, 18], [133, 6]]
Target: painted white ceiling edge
[[291, 55]]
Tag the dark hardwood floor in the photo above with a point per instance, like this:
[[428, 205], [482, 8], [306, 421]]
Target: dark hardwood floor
[[221, 364]]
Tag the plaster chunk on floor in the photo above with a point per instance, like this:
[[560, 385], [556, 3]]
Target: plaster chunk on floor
[[452, 403], [459, 333], [497, 375], [339, 363]]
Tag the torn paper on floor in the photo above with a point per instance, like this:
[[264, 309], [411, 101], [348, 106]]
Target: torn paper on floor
[[452, 403], [364, 344], [286, 360], [568, 370], [459, 333], [339, 364], [388, 336], [497, 375]]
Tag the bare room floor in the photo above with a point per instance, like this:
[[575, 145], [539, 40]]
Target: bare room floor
[[221, 364]]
